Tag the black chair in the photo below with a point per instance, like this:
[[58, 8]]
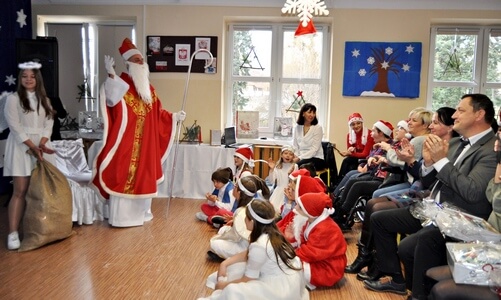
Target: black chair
[[329, 174]]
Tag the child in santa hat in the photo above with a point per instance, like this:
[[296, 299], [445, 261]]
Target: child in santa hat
[[244, 162], [359, 143], [319, 242], [221, 201], [300, 182], [279, 175]]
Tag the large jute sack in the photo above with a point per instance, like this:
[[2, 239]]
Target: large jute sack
[[47, 217]]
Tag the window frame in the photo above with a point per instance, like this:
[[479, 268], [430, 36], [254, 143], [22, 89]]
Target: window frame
[[479, 83], [276, 80]]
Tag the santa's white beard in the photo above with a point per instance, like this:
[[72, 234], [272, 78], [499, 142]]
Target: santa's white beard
[[140, 76], [298, 226]]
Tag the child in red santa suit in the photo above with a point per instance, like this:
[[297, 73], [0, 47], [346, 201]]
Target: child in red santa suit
[[300, 182], [319, 242]]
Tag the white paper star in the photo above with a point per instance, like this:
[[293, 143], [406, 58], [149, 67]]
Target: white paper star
[[362, 72], [406, 67], [10, 80], [305, 9], [355, 53], [388, 50], [21, 18], [371, 60], [384, 65], [409, 49]]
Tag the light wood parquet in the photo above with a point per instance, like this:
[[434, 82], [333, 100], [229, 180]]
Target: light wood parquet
[[164, 259]]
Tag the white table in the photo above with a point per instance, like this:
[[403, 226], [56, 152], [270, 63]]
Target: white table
[[193, 169]]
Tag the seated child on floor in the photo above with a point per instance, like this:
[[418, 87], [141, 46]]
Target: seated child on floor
[[267, 269], [300, 182], [318, 240], [233, 238], [313, 173], [221, 201], [244, 162]]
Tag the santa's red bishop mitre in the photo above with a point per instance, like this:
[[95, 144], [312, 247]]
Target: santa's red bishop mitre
[[128, 49]]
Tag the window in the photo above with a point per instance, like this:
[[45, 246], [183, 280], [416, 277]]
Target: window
[[268, 66], [462, 61]]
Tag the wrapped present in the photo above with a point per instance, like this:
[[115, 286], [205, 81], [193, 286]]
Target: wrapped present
[[473, 263], [465, 227]]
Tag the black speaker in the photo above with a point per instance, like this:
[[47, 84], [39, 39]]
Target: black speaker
[[45, 51]]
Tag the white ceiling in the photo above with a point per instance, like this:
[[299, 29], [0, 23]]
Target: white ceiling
[[331, 4]]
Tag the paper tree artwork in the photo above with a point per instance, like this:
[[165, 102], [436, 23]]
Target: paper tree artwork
[[382, 69], [247, 124], [297, 103]]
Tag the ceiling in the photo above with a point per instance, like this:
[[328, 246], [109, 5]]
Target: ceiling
[[331, 4]]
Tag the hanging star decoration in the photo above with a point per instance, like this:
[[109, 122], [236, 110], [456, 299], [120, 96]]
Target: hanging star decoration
[[297, 103], [10, 80], [305, 9], [21, 18]]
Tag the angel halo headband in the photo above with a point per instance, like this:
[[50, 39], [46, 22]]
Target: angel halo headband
[[256, 216], [30, 65]]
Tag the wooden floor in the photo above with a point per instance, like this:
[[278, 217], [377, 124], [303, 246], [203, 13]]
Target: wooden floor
[[164, 259]]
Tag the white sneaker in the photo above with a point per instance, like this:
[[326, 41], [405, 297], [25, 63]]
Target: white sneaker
[[13, 242], [201, 216]]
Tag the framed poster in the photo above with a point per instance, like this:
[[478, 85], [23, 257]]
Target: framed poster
[[247, 124], [173, 53], [282, 128]]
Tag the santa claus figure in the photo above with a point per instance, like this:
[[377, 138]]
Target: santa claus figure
[[138, 135], [320, 243]]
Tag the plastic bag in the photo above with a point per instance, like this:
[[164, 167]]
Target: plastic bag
[[47, 217]]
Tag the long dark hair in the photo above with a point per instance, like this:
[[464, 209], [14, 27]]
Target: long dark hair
[[281, 246], [39, 93], [306, 107], [444, 115], [252, 183]]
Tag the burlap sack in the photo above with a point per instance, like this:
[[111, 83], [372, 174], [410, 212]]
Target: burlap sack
[[47, 217]]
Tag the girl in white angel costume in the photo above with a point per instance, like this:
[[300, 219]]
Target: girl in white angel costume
[[268, 269], [279, 173], [233, 238]]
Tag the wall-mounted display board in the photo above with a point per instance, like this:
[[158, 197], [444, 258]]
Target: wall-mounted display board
[[173, 53]]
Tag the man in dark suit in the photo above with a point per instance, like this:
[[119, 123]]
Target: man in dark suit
[[459, 177]]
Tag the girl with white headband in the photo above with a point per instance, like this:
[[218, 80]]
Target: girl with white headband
[[279, 175], [233, 238], [268, 269], [30, 118]]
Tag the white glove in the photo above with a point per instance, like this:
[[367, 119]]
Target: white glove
[[109, 63], [180, 115]]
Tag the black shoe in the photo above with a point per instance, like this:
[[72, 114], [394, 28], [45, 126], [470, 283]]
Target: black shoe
[[218, 220], [363, 259], [386, 284], [372, 272], [214, 257]]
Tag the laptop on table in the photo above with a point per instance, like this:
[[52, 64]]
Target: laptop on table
[[230, 140]]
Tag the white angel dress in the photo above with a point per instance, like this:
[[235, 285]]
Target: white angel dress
[[271, 280]]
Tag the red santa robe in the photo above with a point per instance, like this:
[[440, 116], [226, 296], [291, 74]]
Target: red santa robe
[[136, 142], [323, 252]]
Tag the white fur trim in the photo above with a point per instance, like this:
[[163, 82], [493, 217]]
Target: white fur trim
[[385, 129], [129, 53]]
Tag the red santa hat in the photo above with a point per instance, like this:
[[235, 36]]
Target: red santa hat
[[302, 172], [245, 153], [385, 127], [307, 184], [355, 117], [128, 49], [315, 204]]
